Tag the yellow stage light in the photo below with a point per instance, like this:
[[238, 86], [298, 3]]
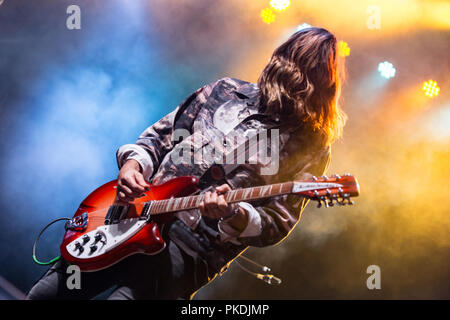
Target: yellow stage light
[[267, 16], [431, 89], [343, 49], [280, 5]]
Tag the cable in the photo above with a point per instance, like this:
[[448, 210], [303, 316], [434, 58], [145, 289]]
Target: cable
[[37, 238], [268, 278], [263, 268]]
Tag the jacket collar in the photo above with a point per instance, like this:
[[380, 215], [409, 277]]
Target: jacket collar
[[252, 94]]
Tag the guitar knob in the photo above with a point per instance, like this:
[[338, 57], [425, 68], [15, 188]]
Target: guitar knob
[[93, 248], [79, 247], [86, 239], [98, 237]]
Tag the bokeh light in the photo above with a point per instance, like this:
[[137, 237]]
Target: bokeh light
[[343, 49], [431, 89], [267, 16], [386, 69], [280, 5]]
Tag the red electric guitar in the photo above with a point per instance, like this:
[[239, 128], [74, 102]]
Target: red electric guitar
[[101, 232]]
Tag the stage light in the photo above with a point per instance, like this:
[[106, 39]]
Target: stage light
[[386, 69], [431, 89], [280, 5], [343, 49], [303, 26], [267, 16]]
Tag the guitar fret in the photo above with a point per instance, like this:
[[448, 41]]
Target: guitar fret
[[199, 199], [190, 202], [163, 205], [185, 201], [232, 195], [239, 194], [177, 203]]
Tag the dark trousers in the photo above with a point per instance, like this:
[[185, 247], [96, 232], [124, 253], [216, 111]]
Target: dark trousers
[[171, 274]]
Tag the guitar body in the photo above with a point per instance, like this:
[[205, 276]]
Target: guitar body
[[97, 238]]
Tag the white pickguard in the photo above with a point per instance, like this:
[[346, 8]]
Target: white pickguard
[[112, 236]]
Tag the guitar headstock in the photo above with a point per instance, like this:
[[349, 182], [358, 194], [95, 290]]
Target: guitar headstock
[[328, 191]]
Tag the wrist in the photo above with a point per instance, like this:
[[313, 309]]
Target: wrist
[[238, 220], [131, 163]]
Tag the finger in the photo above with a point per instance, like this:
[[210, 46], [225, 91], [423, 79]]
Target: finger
[[201, 207], [124, 189], [141, 181], [130, 182], [223, 188], [222, 205], [206, 197], [212, 202], [123, 197]]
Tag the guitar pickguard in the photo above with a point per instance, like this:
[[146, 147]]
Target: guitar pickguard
[[105, 238]]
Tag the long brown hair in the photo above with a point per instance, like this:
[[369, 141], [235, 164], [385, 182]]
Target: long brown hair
[[303, 81]]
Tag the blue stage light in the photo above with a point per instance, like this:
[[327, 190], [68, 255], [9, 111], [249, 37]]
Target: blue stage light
[[386, 69]]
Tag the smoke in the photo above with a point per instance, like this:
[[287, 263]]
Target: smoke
[[69, 99]]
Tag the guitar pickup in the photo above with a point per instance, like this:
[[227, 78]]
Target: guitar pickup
[[115, 214], [145, 211]]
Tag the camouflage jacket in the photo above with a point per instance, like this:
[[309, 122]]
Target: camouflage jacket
[[185, 141]]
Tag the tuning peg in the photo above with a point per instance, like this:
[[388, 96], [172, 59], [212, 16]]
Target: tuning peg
[[349, 201], [332, 198], [322, 201]]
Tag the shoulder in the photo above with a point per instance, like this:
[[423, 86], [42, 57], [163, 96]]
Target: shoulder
[[233, 84]]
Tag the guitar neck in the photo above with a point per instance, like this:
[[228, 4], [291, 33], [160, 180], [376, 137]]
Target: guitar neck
[[246, 194]]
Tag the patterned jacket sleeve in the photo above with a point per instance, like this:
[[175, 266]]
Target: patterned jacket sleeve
[[157, 140], [280, 215]]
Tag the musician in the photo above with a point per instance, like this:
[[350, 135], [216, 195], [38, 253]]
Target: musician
[[297, 93]]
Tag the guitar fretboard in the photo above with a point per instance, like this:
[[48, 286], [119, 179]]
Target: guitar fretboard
[[246, 194]]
